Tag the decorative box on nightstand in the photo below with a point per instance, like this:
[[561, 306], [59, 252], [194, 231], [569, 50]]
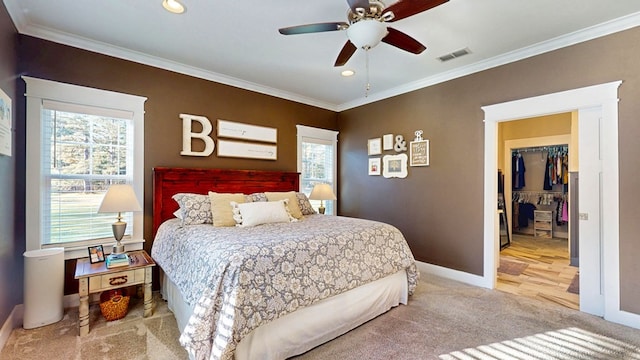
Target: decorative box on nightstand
[[95, 278]]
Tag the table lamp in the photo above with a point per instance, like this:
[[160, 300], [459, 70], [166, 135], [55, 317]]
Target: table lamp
[[322, 192], [119, 198]]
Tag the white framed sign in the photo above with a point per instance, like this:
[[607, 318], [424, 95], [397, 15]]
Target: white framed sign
[[236, 130], [239, 149], [387, 142], [419, 153]]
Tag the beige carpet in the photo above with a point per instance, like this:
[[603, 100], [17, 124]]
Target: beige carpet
[[442, 317], [565, 344]]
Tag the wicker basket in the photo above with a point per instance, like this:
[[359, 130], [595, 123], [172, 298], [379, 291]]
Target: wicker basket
[[114, 304]]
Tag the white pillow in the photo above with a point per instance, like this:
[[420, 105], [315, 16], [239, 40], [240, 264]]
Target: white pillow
[[257, 213], [292, 205]]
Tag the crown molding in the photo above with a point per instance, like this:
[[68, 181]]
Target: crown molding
[[593, 32], [590, 33]]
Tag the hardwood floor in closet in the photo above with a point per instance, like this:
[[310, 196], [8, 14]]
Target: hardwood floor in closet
[[539, 268]]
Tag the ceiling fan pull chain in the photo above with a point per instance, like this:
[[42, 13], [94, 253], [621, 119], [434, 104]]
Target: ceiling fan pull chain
[[368, 87]]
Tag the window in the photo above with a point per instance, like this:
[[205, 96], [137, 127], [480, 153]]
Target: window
[[80, 141], [317, 162]]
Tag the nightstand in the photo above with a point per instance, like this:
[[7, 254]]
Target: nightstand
[[95, 278]]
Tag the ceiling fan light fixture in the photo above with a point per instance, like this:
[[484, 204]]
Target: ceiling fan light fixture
[[173, 6], [366, 33], [347, 73]]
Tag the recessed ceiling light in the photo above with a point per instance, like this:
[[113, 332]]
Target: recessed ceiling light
[[347, 73], [173, 6]]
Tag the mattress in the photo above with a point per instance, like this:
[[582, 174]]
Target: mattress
[[302, 330]]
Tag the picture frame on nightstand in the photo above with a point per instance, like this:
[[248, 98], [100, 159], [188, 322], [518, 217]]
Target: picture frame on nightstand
[[96, 254]]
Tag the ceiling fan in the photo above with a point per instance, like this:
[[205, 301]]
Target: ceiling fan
[[366, 26]]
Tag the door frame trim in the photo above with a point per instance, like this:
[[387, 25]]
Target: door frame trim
[[603, 96]]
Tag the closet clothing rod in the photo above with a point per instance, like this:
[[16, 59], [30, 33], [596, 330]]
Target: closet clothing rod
[[541, 148], [538, 192]]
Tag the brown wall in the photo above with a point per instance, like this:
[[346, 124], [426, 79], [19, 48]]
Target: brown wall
[[440, 208], [170, 94], [11, 248]]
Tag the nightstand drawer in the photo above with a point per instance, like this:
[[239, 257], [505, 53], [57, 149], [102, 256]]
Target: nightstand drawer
[[118, 279]]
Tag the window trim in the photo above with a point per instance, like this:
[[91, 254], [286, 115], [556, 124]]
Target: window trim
[[325, 136], [39, 90]]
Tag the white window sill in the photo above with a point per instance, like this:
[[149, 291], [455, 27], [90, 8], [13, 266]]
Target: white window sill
[[77, 251]]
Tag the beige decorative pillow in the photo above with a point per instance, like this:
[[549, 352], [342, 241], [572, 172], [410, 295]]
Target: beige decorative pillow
[[221, 209], [294, 208]]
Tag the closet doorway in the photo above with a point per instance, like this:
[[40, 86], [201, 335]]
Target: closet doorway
[[597, 113], [538, 262]]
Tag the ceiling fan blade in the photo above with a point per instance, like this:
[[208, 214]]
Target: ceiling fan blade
[[354, 4], [345, 54], [313, 28], [405, 8], [403, 41]]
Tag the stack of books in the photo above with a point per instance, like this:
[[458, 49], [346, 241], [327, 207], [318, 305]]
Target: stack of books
[[116, 260]]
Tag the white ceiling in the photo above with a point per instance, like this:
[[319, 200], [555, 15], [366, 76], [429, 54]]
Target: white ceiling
[[237, 42]]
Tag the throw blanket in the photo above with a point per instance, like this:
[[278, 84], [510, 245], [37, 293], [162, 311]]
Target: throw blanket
[[239, 278]]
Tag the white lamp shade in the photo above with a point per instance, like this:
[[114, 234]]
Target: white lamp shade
[[366, 33], [119, 198], [322, 192]]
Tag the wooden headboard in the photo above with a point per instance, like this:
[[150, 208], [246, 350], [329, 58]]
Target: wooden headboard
[[170, 181]]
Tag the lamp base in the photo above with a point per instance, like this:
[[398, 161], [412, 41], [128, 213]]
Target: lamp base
[[118, 248], [118, 228], [321, 209]]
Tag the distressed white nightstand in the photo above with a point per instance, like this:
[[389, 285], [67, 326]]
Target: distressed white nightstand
[[95, 278]]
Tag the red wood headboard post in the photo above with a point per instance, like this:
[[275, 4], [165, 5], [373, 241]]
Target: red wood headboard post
[[170, 181]]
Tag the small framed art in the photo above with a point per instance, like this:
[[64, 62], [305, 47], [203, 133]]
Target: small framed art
[[374, 166], [96, 254], [387, 142], [419, 153], [395, 166], [374, 146]]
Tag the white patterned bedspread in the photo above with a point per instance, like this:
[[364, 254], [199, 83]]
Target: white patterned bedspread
[[239, 278]]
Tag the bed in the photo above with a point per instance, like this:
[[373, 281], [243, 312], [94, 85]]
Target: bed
[[274, 290]]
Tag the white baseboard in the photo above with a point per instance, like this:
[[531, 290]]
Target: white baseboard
[[624, 318], [452, 274], [13, 321], [16, 317], [616, 316]]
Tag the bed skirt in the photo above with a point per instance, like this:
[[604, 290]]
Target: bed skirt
[[306, 328]]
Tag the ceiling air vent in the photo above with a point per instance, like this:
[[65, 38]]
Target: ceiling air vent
[[455, 54]]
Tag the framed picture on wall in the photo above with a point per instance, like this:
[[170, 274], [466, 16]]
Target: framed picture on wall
[[419, 153], [394, 166], [374, 166], [374, 146], [387, 142]]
